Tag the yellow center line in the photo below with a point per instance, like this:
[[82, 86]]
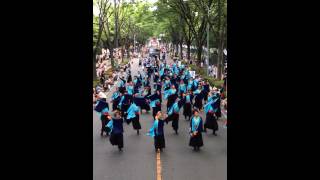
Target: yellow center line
[[159, 176]]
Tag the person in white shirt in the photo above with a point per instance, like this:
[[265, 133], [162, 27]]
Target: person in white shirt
[[214, 71], [102, 95], [209, 70]]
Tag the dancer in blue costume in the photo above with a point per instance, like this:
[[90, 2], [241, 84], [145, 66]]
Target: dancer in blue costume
[[190, 85], [130, 88], [140, 100], [155, 103], [157, 132], [133, 116], [167, 84], [115, 99], [175, 80], [196, 131], [187, 107], [102, 109], [124, 103], [182, 88], [217, 106], [198, 96], [206, 90], [171, 96], [211, 119], [158, 88], [115, 127], [121, 85], [173, 114], [196, 82]]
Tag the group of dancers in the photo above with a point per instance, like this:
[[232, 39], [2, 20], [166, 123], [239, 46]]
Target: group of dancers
[[179, 89]]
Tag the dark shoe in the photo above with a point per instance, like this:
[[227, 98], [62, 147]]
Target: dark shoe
[[194, 148], [138, 132], [176, 131], [120, 149], [214, 133]]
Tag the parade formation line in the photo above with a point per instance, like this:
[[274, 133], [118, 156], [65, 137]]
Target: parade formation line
[[197, 87]]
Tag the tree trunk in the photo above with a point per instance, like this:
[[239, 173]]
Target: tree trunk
[[221, 42], [199, 52], [127, 45], [94, 67], [181, 54], [122, 53], [220, 55], [111, 56], [177, 49], [188, 50], [95, 52], [115, 24]]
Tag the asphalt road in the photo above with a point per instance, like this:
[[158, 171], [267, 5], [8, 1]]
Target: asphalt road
[[137, 161]]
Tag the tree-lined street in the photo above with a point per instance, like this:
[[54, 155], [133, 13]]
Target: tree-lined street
[[138, 159], [136, 41]]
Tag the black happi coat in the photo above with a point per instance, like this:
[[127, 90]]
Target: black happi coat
[[126, 103], [159, 140], [115, 103], [174, 117], [196, 141], [142, 103], [187, 107], [206, 90], [171, 99], [116, 137], [198, 100], [211, 121], [153, 97]]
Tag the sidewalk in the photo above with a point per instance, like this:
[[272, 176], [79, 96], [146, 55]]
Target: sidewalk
[[108, 63]]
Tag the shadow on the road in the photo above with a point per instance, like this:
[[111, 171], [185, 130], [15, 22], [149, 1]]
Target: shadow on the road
[[114, 152]]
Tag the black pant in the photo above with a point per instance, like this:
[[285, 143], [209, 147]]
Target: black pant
[[159, 141], [103, 125], [117, 139]]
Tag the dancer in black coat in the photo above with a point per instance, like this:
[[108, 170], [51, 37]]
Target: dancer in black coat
[[198, 96], [115, 127], [196, 131], [155, 103], [187, 107], [211, 119]]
